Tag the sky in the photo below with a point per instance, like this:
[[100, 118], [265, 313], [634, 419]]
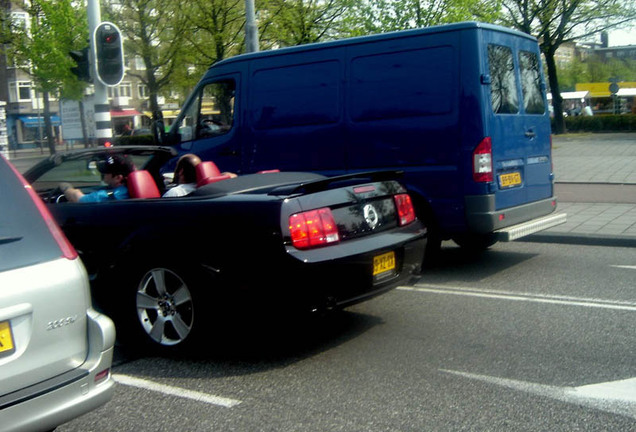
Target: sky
[[622, 37]]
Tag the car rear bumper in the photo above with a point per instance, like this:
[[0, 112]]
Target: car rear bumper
[[58, 400], [324, 279]]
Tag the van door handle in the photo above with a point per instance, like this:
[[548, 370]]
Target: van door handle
[[530, 134]]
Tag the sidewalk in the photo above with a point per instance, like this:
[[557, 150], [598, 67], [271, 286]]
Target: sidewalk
[[598, 159]]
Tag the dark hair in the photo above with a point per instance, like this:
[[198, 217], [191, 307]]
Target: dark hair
[[116, 164], [187, 163]]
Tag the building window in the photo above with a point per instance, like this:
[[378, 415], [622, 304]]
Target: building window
[[139, 63], [122, 90], [143, 91], [20, 91]]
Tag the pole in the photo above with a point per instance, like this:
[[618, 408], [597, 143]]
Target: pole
[[103, 128], [251, 31]]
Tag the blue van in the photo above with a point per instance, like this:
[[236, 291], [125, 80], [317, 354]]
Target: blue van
[[461, 109]]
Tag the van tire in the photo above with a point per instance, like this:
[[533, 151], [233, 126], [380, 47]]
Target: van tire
[[475, 242], [433, 234]]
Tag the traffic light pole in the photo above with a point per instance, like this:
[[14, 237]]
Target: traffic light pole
[[103, 126]]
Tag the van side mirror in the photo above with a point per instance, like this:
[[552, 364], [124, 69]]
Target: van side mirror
[[159, 132]]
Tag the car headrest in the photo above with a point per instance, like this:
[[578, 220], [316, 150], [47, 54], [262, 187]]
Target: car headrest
[[142, 185], [208, 172]]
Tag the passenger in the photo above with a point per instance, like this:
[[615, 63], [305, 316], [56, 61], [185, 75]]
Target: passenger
[[114, 169], [185, 176]]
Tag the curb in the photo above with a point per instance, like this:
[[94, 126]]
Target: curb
[[581, 239]]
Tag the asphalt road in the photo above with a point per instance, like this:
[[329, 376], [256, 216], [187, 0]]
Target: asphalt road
[[526, 337]]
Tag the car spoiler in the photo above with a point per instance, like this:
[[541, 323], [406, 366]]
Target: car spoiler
[[337, 181]]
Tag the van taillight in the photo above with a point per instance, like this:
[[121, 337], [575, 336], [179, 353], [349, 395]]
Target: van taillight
[[313, 228], [67, 249], [482, 161], [404, 206]]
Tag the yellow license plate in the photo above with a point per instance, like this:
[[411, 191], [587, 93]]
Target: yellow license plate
[[6, 338], [509, 180], [383, 263]]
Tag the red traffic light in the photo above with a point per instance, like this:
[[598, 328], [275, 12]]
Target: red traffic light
[[109, 54]]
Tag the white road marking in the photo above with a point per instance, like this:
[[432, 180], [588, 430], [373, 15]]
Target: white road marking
[[624, 266], [522, 296], [618, 397], [175, 391]]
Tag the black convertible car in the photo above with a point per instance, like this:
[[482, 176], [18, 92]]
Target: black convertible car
[[161, 267]]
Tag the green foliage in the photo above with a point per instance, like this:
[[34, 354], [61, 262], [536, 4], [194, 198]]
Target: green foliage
[[134, 140], [45, 41], [601, 123], [296, 22], [377, 16]]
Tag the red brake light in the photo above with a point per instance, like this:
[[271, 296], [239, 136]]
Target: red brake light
[[482, 161], [406, 212], [67, 249], [313, 228]]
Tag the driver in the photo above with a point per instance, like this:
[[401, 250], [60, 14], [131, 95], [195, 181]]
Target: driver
[[114, 169]]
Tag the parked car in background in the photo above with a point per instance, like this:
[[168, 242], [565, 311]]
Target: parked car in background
[[166, 268], [55, 349], [141, 131]]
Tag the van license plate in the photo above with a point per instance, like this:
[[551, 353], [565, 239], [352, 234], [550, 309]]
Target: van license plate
[[384, 263], [510, 179], [6, 338]]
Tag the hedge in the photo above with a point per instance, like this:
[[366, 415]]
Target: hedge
[[134, 140], [600, 123]]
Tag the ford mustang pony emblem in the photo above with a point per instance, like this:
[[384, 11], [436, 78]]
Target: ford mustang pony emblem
[[371, 216]]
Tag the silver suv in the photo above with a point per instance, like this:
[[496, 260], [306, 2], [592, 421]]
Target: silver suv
[[55, 349]]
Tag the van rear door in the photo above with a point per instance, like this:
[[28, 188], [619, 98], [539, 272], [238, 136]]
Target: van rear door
[[518, 122]]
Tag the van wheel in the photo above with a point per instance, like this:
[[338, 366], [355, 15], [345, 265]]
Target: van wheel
[[475, 242]]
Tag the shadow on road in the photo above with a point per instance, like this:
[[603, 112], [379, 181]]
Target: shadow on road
[[253, 347], [457, 264]]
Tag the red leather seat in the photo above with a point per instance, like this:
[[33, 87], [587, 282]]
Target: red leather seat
[[142, 185], [208, 172]]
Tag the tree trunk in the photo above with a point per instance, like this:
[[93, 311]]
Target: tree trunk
[[557, 100], [48, 127]]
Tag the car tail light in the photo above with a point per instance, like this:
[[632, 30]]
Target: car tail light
[[482, 161], [406, 212], [313, 228], [67, 249]]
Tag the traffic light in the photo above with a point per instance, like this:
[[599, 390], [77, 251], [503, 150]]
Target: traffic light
[[109, 54], [82, 70]]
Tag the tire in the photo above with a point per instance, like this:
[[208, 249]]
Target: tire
[[163, 310], [475, 242]]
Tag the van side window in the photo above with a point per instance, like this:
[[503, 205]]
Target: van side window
[[531, 83], [211, 113], [503, 90]]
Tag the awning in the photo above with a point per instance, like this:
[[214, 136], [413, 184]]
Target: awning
[[125, 113], [572, 95], [166, 113], [32, 121], [626, 92]]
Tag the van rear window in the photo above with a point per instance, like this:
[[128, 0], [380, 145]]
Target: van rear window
[[529, 68], [503, 89]]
